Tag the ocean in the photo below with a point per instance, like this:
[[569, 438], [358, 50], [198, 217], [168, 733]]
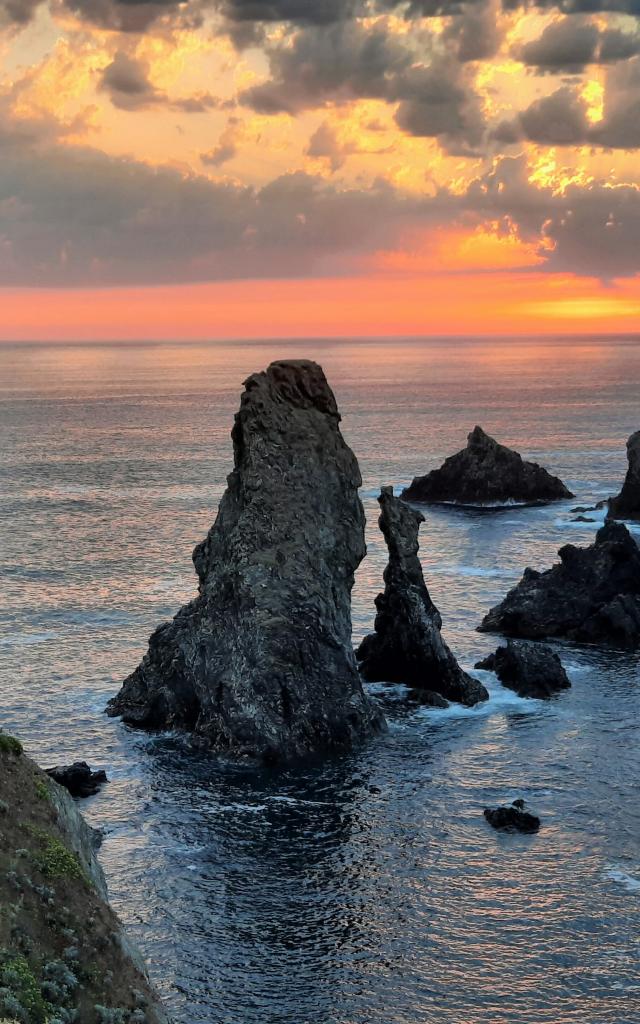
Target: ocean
[[368, 890]]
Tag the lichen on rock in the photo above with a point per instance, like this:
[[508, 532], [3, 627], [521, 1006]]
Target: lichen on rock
[[261, 663]]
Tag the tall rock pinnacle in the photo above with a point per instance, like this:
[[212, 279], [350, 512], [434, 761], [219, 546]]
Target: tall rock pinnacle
[[407, 646], [261, 662]]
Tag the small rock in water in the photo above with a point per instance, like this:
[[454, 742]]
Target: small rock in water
[[486, 472], [531, 669], [626, 505], [78, 778], [583, 519], [512, 819]]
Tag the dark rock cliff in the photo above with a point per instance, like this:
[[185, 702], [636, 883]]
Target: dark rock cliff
[[407, 646], [627, 504], [261, 662]]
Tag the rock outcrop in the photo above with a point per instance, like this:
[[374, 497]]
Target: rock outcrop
[[78, 778], [261, 662], [512, 818], [531, 669], [407, 646], [63, 954], [486, 472], [627, 504], [592, 595]]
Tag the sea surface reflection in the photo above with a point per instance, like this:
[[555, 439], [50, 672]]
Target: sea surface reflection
[[368, 890]]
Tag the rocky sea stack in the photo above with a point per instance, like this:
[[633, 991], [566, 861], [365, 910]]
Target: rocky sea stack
[[407, 646], [627, 504], [531, 669], [261, 662], [592, 595], [486, 472]]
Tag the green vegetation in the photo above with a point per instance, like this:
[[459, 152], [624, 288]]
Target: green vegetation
[[54, 860], [10, 745], [42, 790], [20, 990]]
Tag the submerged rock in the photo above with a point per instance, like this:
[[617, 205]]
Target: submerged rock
[[513, 818], [532, 670], [486, 472], [407, 646], [627, 504], [261, 662], [592, 595], [78, 778]]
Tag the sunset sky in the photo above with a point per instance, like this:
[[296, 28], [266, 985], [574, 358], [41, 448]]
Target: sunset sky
[[263, 168]]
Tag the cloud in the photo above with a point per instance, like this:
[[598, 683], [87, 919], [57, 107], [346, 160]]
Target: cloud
[[126, 81], [556, 120], [569, 45], [561, 118], [339, 63], [227, 146]]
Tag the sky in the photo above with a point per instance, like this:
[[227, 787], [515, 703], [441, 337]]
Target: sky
[[267, 168]]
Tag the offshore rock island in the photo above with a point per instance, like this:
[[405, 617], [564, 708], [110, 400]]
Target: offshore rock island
[[261, 662], [486, 473], [591, 595], [407, 645]]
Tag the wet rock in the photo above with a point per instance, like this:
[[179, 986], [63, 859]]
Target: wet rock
[[531, 669], [582, 519], [407, 646], [261, 662], [592, 595], [627, 504], [486, 472], [78, 778], [512, 818]]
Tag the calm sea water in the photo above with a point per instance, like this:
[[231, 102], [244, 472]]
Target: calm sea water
[[370, 890]]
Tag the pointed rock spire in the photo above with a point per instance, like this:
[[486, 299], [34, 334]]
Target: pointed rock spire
[[407, 645], [261, 662]]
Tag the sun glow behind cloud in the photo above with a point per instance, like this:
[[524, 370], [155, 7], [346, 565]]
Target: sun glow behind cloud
[[208, 166]]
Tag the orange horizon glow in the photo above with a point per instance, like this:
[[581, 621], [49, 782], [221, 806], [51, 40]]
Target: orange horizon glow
[[499, 303]]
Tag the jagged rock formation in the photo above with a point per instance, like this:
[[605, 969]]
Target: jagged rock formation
[[592, 595], [532, 670], [627, 504], [513, 818], [407, 646], [261, 662], [63, 953], [78, 778], [486, 472]]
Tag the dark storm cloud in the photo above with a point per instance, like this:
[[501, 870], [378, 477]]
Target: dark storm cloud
[[561, 119], [328, 64], [126, 81], [349, 61], [571, 44], [556, 120]]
